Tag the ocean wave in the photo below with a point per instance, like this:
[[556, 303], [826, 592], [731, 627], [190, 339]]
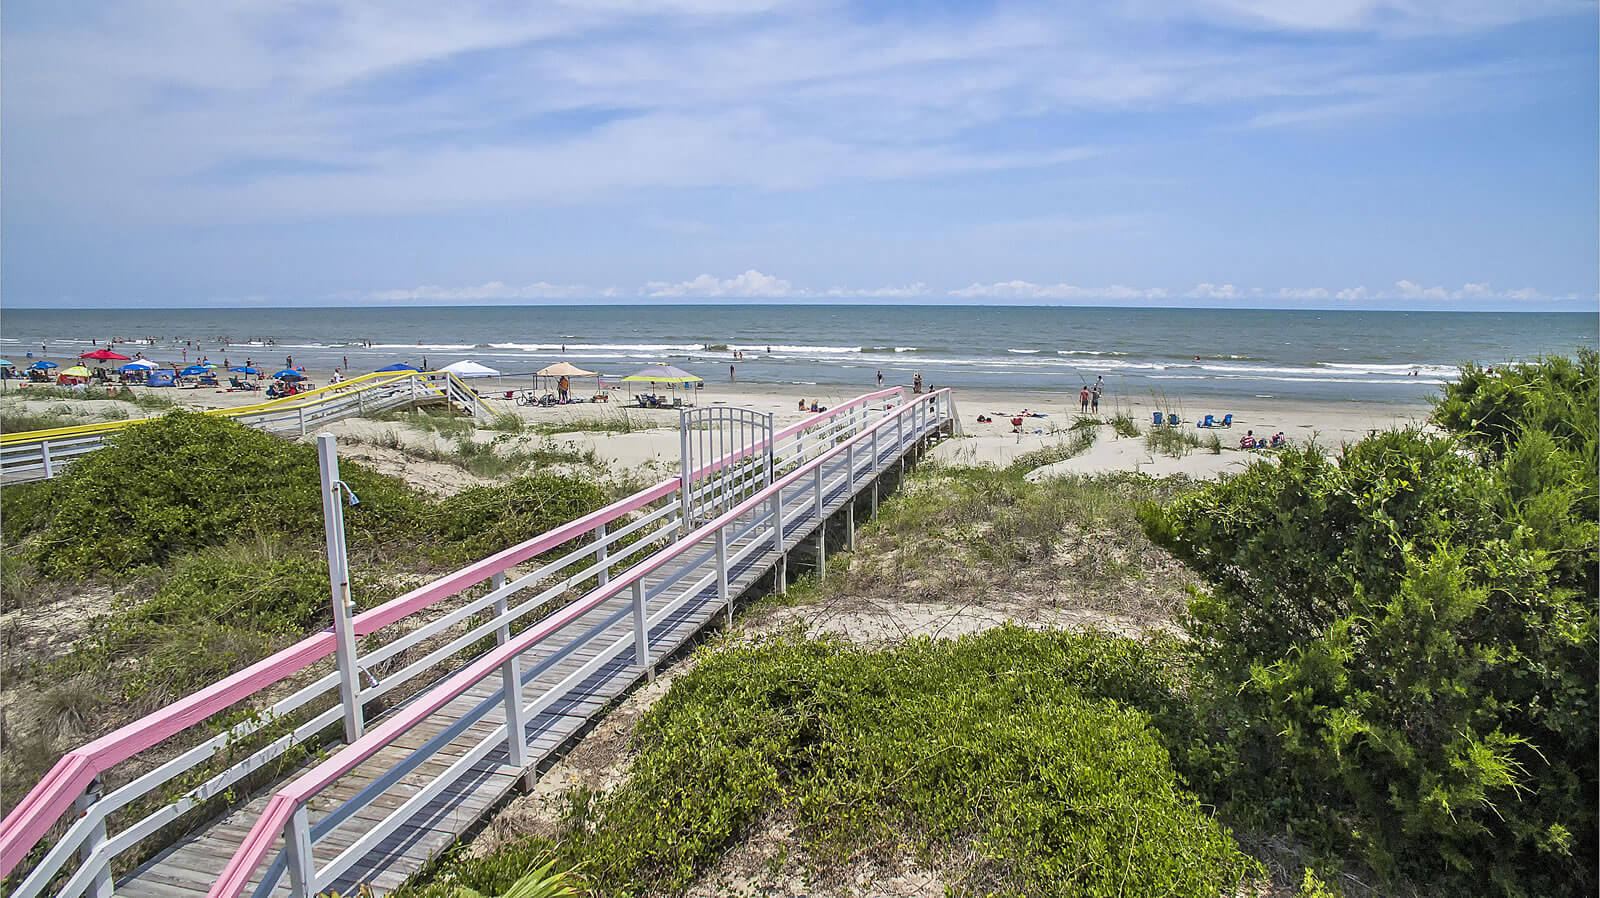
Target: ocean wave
[[1024, 351], [1089, 352], [602, 347]]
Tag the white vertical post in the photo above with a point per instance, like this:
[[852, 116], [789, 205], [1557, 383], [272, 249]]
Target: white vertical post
[[641, 632], [502, 633], [850, 523], [685, 460], [602, 555], [301, 415], [297, 849], [822, 523], [101, 886], [339, 588], [44, 453], [777, 541], [723, 593], [413, 381], [850, 456]]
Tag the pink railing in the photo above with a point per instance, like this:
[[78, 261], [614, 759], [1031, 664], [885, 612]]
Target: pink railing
[[68, 779]]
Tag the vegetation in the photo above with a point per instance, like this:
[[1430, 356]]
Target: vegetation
[[1124, 425], [1020, 750], [1401, 642], [1174, 441], [1079, 441]]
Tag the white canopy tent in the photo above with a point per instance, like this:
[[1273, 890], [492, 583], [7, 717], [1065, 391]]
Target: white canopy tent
[[469, 368]]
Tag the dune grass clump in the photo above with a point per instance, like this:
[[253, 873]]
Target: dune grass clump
[[1173, 441], [1022, 752]]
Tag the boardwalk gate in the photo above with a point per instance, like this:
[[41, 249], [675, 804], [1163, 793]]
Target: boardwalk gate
[[727, 458]]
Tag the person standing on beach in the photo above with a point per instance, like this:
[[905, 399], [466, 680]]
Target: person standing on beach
[[1094, 399], [1083, 399], [880, 377], [562, 386], [730, 374]]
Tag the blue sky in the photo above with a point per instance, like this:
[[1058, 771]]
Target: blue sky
[[1341, 153]]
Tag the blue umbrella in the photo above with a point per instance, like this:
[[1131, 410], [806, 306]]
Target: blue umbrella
[[193, 370], [398, 366], [289, 374], [244, 369], [40, 366]]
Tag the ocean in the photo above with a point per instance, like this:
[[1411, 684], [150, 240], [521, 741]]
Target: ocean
[[1393, 357]]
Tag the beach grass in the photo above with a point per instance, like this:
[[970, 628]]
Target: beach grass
[[1173, 441]]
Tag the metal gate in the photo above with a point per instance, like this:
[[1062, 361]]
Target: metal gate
[[727, 457]]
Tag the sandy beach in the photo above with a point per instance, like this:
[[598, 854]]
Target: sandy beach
[[653, 444]]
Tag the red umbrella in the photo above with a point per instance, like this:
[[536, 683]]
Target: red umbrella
[[106, 355]]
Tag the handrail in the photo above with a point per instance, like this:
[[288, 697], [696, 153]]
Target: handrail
[[291, 798], [74, 772], [309, 399]]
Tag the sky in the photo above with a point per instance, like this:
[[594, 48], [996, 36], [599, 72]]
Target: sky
[[1293, 153]]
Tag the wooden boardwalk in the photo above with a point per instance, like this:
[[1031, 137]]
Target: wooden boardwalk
[[399, 770]]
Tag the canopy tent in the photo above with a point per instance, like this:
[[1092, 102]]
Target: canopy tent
[[76, 371], [469, 368], [104, 355], [194, 371], [663, 374], [397, 366], [564, 369], [140, 365]]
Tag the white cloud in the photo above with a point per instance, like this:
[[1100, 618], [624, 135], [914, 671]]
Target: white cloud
[[917, 289], [1029, 290], [751, 283], [1353, 293], [1303, 293], [1214, 291], [490, 290]]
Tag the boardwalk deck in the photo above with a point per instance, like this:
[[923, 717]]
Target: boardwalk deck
[[191, 866]]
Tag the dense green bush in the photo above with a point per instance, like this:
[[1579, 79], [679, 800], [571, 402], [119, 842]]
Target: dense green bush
[[479, 521], [1402, 640], [1020, 746]]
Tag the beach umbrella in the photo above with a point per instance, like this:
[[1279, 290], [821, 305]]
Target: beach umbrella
[[194, 370], [564, 369], [6, 363], [397, 366], [245, 369], [140, 365], [76, 371], [289, 374], [40, 366], [664, 374], [104, 355], [469, 368]]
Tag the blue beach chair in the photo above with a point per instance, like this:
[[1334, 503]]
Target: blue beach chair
[[1155, 418], [1207, 422], [1173, 420], [1227, 420]]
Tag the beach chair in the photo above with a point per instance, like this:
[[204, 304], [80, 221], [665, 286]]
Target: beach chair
[[1155, 418], [1227, 420], [1208, 422], [1173, 420]]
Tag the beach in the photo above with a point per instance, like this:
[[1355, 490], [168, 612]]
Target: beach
[[651, 443]]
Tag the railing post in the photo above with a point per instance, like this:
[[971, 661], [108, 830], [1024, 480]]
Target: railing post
[[850, 523], [641, 633], [101, 886], [723, 593], [413, 381], [301, 411], [603, 554], [850, 453], [502, 633], [339, 587], [822, 523], [44, 453], [777, 541], [297, 849]]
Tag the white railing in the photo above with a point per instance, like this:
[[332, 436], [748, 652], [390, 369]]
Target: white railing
[[616, 537]]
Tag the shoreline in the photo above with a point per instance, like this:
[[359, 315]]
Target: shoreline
[[655, 442]]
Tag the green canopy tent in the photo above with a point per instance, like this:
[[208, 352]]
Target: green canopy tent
[[665, 374]]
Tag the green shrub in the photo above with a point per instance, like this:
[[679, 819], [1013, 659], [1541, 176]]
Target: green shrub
[[1021, 745], [483, 520], [215, 612], [1173, 441], [1402, 641]]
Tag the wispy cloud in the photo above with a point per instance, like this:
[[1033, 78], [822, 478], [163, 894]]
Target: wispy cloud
[[493, 290]]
